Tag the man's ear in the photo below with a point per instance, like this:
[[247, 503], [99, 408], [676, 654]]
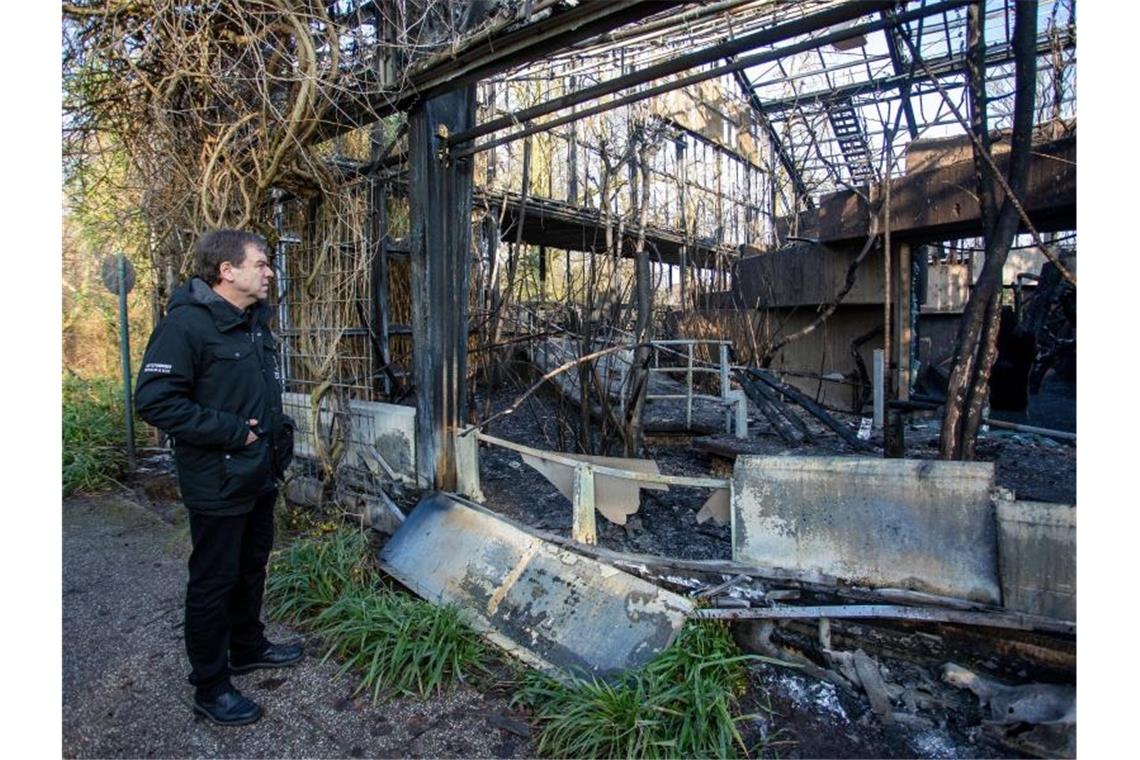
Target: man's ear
[[226, 270]]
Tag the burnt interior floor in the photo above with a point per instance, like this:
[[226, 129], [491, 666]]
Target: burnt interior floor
[[1032, 466]]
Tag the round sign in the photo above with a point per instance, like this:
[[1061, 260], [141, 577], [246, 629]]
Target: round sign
[[109, 272]]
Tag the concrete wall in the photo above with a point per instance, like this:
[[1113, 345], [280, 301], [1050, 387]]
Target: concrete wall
[[1037, 545], [705, 108], [388, 429], [947, 287], [937, 152], [806, 275], [940, 202], [885, 523], [937, 333]]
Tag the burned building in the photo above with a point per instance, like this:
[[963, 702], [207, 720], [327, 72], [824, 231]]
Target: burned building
[[776, 299]]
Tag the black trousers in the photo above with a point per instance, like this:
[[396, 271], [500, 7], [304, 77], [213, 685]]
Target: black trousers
[[225, 590]]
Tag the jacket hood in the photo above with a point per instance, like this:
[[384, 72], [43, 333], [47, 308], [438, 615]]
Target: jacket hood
[[195, 292]]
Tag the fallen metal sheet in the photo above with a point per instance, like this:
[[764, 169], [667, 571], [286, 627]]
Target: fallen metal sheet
[[896, 523], [553, 608], [615, 498]]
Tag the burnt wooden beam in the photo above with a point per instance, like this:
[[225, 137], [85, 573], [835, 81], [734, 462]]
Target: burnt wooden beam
[[786, 424], [809, 406], [939, 203], [439, 194]]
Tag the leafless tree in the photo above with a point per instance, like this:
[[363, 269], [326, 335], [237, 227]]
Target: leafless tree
[[976, 347]]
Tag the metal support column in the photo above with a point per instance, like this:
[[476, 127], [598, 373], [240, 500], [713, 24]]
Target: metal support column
[[439, 190], [898, 345], [904, 334], [378, 247]]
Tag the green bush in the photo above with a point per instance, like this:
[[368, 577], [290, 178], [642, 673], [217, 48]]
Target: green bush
[[681, 704], [94, 433], [398, 643]]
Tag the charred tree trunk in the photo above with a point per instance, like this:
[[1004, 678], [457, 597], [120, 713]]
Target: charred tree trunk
[[588, 377], [977, 333]]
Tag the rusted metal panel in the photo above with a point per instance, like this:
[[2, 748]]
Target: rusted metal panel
[[883, 523], [808, 275], [553, 608]]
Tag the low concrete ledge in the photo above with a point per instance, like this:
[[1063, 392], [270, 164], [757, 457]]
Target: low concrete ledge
[[1037, 553], [387, 430], [884, 523]]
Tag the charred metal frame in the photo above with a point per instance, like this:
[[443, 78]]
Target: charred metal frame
[[441, 143], [439, 194]]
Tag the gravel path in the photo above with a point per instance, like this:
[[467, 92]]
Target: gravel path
[[124, 669]]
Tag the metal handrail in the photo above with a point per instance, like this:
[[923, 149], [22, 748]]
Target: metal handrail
[[691, 367]]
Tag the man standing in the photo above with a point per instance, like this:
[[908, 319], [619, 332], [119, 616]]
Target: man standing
[[209, 379]]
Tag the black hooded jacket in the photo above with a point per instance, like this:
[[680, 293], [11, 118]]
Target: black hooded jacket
[[208, 369]]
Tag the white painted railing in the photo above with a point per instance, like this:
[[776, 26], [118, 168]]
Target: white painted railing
[[690, 368]]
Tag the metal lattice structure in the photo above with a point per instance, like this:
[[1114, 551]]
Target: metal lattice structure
[[585, 135]]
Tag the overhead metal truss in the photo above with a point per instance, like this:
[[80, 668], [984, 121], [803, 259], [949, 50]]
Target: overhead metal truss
[[790, 62]]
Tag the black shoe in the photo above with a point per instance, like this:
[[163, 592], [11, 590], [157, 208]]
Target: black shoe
[[273, 656], [229, 708]]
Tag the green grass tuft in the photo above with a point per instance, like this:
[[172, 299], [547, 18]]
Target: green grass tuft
[[94, 434], [397, 643], [681, 704], [313, 572], [400, 643]]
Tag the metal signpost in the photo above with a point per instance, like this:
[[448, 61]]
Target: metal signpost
[[119, 276]]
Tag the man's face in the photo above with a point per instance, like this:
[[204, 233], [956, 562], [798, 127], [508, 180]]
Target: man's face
[[251, 279]]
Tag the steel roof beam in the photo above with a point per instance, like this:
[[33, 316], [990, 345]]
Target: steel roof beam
[[754, 59], [483, 55], [946, 65], [769, 36], [897, 64]]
